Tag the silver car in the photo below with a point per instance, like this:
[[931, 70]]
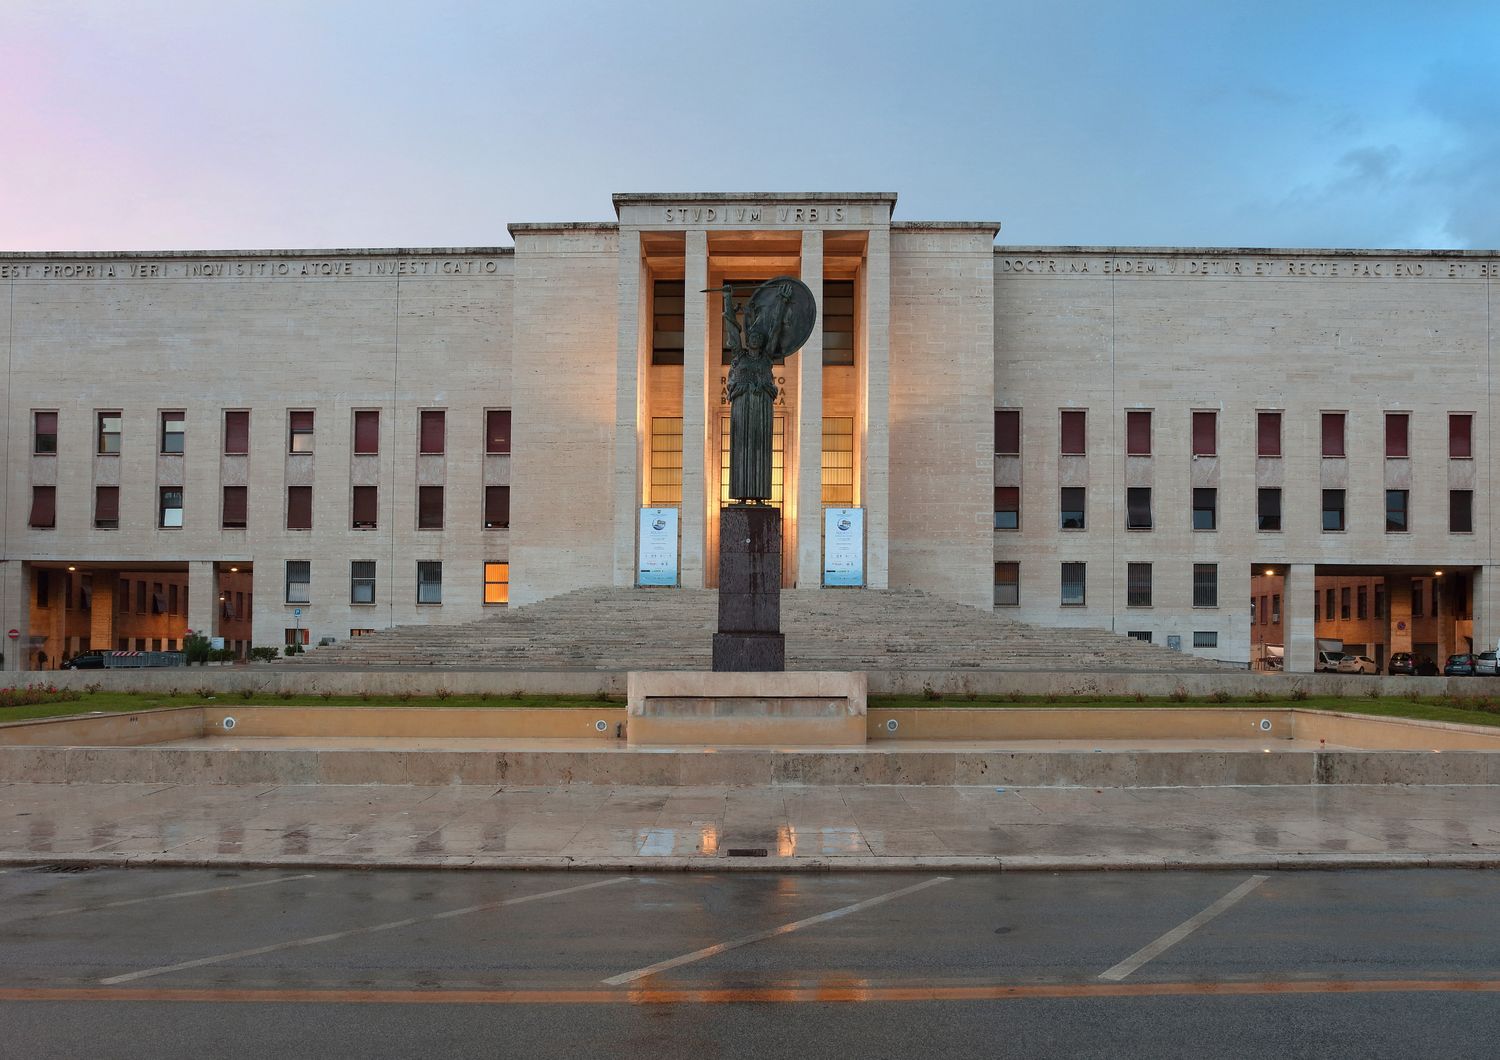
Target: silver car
[[1484, 665], [1358, 664]]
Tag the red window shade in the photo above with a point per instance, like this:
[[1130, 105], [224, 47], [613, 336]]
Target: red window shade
[[1460, 435], [1008, 432], [429, 507], [1333, 434], [46, 423], [365, 498], [44, 507], [1138, 432], [299, 507], [496, 507], [1205, 433], [1073, 432], [302, 421], [1268, 433], [237, 432], [432, 430], [367, 432], [235, 507], [497, 431], [1397, 434], [106, 505]]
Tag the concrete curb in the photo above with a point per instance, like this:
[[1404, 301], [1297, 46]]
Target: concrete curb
[[999, 863]]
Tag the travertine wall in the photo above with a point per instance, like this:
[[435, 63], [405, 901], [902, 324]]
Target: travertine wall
[[942, 411], [563, 382], [1173, 331]]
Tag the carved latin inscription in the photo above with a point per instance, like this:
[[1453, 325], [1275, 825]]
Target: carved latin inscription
[[1265, 268], [744, 215], [254, 269]]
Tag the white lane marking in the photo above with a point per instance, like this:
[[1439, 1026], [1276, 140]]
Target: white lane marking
[[173, 894], [220, 958], [1180, 932], [760, 936]]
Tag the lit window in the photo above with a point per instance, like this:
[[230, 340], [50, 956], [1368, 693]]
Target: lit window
[[666, 460], [838, 461], [496, 583]]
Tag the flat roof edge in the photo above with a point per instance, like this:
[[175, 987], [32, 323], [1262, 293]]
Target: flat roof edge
[[992, 227], [562, 226], [1280, 252]]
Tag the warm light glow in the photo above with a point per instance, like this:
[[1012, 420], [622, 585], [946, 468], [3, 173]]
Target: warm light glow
[[234, 570], [1438, 573], [1270, 570], [72, 568]]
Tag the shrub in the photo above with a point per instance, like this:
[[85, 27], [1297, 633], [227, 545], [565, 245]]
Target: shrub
[[93, 686], [294, 649], [31, 695], [1013, 695], [405, 697], [204, 692], [263, 654], [1140, 697], [1259, 695], [442, 693], [196, 649], [327, 694], [285, 693], [1373, 692], [930, 693], [247, 692], [365, 696], [1221, 695], [1178, 694], [1298, 694]]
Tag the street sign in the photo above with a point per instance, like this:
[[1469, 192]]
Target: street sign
[[14, 634], [297, 611]]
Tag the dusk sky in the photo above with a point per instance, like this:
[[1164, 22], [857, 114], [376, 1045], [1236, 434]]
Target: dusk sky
[[159, 124]]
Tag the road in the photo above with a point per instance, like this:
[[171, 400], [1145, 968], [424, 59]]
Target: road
[[319, 964]]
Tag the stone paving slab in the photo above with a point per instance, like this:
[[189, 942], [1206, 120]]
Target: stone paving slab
[[696, 828]]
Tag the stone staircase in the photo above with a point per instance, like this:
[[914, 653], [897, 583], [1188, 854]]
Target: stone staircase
[[612, 629]]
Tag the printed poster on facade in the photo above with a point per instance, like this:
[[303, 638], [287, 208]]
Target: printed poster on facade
[[658, 547], [844, 546]]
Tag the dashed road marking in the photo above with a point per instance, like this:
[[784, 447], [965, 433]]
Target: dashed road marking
[[760, 936], [1180, 932], [172, 894]]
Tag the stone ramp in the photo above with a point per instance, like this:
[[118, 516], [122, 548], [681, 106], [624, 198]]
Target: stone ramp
[[612, 629]]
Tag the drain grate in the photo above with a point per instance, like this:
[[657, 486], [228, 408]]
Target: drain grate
[[64, 869], [747, 852]]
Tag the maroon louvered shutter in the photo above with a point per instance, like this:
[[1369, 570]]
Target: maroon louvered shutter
[[1008, 432], [1268, 433], [1460, 435], [237, 432], [1205, 433], [365, 498], [1138, 432], [1333, 434], [432, 431], [1397, 434], [299, 507], [367, 432], [497, 431], [44, 507], [234, 507], [429, 508], [1073, 432], [496, 507]]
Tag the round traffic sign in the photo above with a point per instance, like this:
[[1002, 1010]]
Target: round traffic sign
[[14, 634]]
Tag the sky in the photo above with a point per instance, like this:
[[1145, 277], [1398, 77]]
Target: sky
[[172, 124]]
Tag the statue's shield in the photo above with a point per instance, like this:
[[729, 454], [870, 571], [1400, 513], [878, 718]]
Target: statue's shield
[[788, 295]]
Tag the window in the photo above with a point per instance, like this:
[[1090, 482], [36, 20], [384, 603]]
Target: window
[[838, 461], [1138, 585], [666, 460], [1344, 595], [1074, 432], [1007, 584], [1328, 604], [298, 635], [1416, 599], [109, 434], [496, 583], [1205, 433], [1073, 584], [173, 431], [298, 581], [173, 604], [1275, 609], [429, 507], [1397, 434], [497, 431], [106, 507], [429, 582], [1253, 611], [1138, 508], [1205, 585], [1205, 638], [1142, 635], [362, 581], [1460, 511], [300, 431], [1460, 435], [169, 508], [838, 322], [1362, 602], [1333, 434], [1205, 508], [140, 598], [1007, 432], [1268, 508], [235, 507], [1333, 510], [496, 507], [1268, 434], [365, 501], [1379, 599], [1395, 511], [366, 432], [667, 309], [1007, 507], [236, 432], [44, 432], [158, 599], [433, 427], [1071, 508], [43, 507], [1138, 432], [299, 507]]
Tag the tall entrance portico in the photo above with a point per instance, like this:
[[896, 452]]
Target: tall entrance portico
[[831, 427]]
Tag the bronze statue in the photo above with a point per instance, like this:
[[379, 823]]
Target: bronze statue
[[766, 329]]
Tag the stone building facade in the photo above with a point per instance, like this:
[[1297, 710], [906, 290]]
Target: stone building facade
[[1108, 437]]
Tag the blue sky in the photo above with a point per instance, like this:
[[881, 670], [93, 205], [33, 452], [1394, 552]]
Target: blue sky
[[157, 124]]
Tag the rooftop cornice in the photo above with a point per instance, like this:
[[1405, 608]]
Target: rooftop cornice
[[992, 227], [647, 198], [561, 226], [1267, 252]]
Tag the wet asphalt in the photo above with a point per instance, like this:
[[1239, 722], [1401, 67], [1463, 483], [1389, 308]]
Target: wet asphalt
[[168, 963]]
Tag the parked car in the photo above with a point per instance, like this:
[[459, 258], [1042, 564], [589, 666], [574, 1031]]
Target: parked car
[[1461, 665], [1358, 664], [1402, 662], [1485, 664], [92, 659], [1328, 661]]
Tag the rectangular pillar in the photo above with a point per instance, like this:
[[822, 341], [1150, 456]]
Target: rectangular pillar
[[629, 451], [749, 636], [102, 611], [15, 605], [1398, 613], [875, 407], [695, 433], [1486, 581], [809, 502], [1298, 601], [203, 598]]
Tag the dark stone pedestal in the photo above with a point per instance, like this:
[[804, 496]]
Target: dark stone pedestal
[[749, 636]]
